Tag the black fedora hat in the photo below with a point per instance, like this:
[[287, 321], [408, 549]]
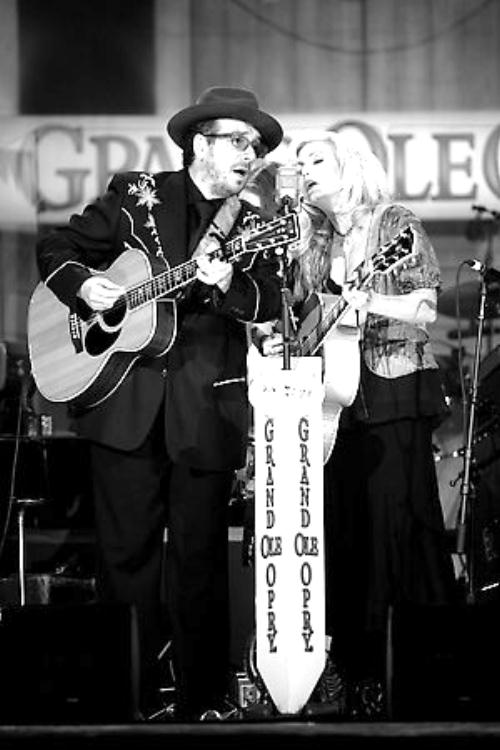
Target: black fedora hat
[[220, 102]]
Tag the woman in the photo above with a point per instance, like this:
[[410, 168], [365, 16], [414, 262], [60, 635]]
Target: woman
[[384, 528]]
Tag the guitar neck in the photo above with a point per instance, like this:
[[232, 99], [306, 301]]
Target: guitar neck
[[177, 277]]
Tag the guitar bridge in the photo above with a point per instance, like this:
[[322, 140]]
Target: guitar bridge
[[75, 332]]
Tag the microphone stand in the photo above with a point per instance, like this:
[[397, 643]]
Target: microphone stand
[[286, 208], [467, 489], [490, 231]]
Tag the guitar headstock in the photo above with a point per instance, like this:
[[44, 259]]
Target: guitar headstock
[[395, 252], [268, 235], [272, 234]]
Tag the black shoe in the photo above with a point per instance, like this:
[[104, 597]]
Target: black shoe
[[260, 711], [165, 713], [367, 700], [330, 694], [158, 709]]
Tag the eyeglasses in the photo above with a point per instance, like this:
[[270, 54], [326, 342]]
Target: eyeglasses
[[241, 142]]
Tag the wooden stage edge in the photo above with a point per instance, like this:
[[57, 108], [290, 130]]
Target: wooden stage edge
[[258, 736]]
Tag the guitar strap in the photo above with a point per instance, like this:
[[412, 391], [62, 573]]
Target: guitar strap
[[221, 224], [371, 247]]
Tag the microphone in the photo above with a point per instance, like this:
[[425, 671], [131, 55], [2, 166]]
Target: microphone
[[288, 186], [490, 274], [484, 210]]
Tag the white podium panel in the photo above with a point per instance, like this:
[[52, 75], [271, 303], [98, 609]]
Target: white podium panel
[[289, 554]]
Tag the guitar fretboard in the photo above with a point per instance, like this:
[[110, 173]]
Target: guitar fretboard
[[177, 277], [314, 339]]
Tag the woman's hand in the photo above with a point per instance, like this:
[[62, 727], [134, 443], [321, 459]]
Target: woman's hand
[[356, 298]]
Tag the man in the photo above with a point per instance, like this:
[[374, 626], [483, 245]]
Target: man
[[164, 445]]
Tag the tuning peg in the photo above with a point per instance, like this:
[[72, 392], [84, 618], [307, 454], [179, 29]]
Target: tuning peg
[[251, 221]]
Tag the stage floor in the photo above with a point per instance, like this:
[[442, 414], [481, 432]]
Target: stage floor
[[293, 735]]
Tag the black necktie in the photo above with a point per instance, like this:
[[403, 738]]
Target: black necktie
[[202, 214]]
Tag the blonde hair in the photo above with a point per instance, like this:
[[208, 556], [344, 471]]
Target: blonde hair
[[363, 178], [363, 185]]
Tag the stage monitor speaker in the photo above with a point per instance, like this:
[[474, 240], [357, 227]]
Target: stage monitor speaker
[[443, 663], [68, 664]]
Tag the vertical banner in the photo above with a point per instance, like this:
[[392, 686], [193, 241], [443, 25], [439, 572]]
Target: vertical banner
[[289, 553]]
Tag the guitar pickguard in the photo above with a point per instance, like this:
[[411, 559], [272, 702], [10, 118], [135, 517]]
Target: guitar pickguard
[[99, 341]]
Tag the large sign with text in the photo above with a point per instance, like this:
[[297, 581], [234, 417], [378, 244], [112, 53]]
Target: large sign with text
[[289, 539], [438, 163]]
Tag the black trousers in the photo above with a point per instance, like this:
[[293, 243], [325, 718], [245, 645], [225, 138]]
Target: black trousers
[[386, 542], [137, 495]]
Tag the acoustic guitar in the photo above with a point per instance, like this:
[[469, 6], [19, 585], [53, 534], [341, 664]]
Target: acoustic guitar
[[321, 325], [81, 356]]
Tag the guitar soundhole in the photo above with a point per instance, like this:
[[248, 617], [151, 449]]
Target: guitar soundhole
[[114, 316], [98, 341]]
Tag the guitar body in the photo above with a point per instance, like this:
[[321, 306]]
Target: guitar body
[[341, 364], [83, 358]]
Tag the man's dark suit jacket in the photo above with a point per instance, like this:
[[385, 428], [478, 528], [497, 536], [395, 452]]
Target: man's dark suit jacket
[[201, 381]]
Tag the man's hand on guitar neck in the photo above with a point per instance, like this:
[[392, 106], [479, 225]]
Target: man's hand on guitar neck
[[214, 272], [100, 293]]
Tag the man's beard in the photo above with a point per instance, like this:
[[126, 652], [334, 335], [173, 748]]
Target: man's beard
[[220, 183]]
